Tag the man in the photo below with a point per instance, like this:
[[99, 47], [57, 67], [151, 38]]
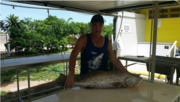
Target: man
[[95, 51]]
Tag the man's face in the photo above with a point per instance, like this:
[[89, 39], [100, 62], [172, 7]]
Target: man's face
[[96, 28]]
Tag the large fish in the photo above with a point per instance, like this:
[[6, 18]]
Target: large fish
[[103, 80]]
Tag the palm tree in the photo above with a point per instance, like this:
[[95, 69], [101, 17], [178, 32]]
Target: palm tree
[[11, 20], [11, 25]]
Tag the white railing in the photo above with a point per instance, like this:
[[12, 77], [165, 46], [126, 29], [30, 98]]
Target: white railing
[[173, 46]]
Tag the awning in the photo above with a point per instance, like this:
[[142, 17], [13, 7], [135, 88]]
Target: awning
[[102, 7]]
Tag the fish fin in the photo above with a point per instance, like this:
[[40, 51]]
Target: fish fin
[[61, 80], [116, 84]]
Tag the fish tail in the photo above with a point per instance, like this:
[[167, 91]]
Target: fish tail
[[61, 80]]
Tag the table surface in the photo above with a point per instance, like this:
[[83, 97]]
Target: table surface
[[134, 58], [7, 64], [175, 62], [143, 92]]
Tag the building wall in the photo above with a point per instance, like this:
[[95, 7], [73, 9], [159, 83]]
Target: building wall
[[169, 31], [129, 40]]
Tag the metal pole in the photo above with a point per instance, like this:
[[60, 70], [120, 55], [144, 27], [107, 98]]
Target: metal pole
[[154, 41], [114, 35], [6, 38], [177, 78], [29, 91], [55, 36], [152, 20], [171, 76], [114, 31], [17, 82], [126, 63], [9, 51], [66, 67]]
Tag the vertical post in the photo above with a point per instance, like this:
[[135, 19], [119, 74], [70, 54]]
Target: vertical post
[[154, 41], [114, 31], [174, 54], [66, 67], [171, 75], [17, 81], [6, 38], [150, 51], [114, 34], [29, 91], [126, 64], [177, 78], [9, 51]]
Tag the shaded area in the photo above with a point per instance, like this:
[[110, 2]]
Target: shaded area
[[34, 89], [37, 73]]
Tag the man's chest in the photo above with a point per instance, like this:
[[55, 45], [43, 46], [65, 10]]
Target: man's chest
[[98, 42]]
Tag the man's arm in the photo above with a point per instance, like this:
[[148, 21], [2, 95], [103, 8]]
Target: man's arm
[[78, 47], [115, 61]]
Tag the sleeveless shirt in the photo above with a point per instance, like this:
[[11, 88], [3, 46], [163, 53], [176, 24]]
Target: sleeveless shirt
[[94, 58]]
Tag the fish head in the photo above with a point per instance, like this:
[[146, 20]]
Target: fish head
[[132, 80]]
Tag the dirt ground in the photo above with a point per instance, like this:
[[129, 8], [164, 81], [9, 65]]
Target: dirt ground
[[12, 87], [35, 87]]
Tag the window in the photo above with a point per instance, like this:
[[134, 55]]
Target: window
[[167, 13]]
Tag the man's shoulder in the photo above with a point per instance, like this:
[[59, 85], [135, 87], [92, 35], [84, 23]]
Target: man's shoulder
[[106, 39], [82, 37]]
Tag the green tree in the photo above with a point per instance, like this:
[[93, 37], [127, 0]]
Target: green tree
[[77, 29], [52, 32], [72, 40], [107, 31], [13, 26], [60, 29], [74, 29], [11, 20]]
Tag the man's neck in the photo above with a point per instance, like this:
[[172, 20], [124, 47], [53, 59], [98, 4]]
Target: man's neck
[[95, 36]]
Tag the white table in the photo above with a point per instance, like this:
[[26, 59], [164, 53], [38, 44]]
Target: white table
[[143, 92], [16, 63], [173, 63], [26, 62]]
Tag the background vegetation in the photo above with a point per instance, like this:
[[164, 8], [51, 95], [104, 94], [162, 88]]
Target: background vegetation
[[29, 36]]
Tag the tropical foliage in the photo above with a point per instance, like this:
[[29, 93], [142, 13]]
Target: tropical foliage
[[35, 36]]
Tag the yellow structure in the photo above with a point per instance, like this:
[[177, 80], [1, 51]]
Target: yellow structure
[[156, 75], [169, 30]]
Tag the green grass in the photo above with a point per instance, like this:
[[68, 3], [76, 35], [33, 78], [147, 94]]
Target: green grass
[[3, 92], [37, 73]]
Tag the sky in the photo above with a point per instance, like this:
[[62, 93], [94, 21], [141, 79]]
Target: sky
[[42, 14]]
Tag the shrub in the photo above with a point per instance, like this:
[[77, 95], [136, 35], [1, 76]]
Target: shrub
[[72, 40]]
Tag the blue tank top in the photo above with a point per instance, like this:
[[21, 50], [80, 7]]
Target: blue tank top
[[94, 58]]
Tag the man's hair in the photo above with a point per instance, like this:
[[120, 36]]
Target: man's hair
[[97, 18]]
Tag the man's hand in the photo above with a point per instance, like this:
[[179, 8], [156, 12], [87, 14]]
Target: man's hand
[[69, 80], [72, 61]]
